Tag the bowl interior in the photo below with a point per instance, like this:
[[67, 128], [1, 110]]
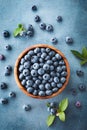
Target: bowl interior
[[17, 66]]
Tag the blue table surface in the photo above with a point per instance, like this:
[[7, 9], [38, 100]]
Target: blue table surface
[[74, 13]]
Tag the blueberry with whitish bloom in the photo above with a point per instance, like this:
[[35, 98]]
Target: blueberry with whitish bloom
[[59, 19], [34, 8], [43, 26], [43, 55], [37, 81], [30, 33], [23, 33], [37, 50], [61, 62], [27, 107], [49, 92], [21, 68], [25, 72], [27, 64], [48, 86], [23, 82], [2, 57], [22, 61], [54, 40], [49, 28], [6, 34], [53, 84], [51, 67], [29, 82], [8, 67], [58, 56], [30, 89], [64, 73], [69, 40], [56, 79], [4, 101], [3, 85], [59, 85], [47, 58], [41, 71], [46, 67], [34, 59], [30, 27], [12, 94], [59, 69], [21, 76], [41, 93], [82, 87], [63, 67], [8, 47], [35, 93], [35, 66], [42, 87], [55, 89], [62, 79], [48, 50], [49, 62], [37, 18], [43, 50], [46, 76], [31, 52]]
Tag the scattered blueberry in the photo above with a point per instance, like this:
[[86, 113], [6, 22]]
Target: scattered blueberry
[[3, 85], [8, 67], [8, 47], [12, 94], [7, 72], [69, 40], [4, 101], [78, 104], [43, 26], [6, 34], [79, 72], [30, 33], [37, 18], [82, 87], [34, 8], [54, 40], [2, 57], [59, 19], [30, 27], [74, 92], [27, 107], [49, 28]]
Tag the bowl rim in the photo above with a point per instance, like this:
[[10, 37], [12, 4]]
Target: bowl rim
[[17, 64]]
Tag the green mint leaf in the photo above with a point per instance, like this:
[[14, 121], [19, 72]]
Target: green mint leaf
[[48, 104], [83, 62], [77, 54], [62, 116], [50, 120], [84, 52], [63, 105], [20, 25]]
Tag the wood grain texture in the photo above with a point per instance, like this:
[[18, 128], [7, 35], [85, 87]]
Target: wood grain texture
[[17, 65]]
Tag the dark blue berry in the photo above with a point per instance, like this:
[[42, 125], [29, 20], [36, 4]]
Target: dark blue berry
[[3, 85], [30, 27], [79, 72], [29, 82], [49, 92], [41, 71], [12, 94], [25, 72], [46, 67], [2, 57], [49, 28], [30, 89], [46, 76], [82, 87], [27, 107], [43, 26], [59, 18], [6, 34], [54, 40], [8, 47], [69, 40], [37, 18], [47, 86], [42, 87], [41, 93], [34, 8], [8, 67], [30, 33], [4, 101]]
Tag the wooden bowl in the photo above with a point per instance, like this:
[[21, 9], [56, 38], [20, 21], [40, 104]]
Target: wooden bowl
[[17, 66]]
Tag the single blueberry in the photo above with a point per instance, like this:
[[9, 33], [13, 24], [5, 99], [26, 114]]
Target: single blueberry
[[34, 73], [37, 50], [3, 85], [48, 50], [58, 56], [8, 67], [8, 47], [53, 58], [47, 86], [49, 92], [2, 57], [51, 53], [52, 104], [43, 50], [42, 87], [47, 58], [12, 94], [55, 89], [58, 75], [52, 73], [61, 62], [34, 8], [6, 34], [69, 40], [55, 63], [41, 65], [46, 67], [30, 27], [29, 82], [23, 82], [59, 19], [37, 18], [35, 92], [23, 33], [41, 60], [62, 79], [21, 68], [27, 64], [41, 71], [39, 54], [31, 52], [46, 76], [51, 67], [49, 62], [56, 79], [59, 69], [4, 101], [34, 59], [37, 81], [53, 111], [41, 93], [78, 104], [35, 66], [21, 76], [49, 28], [54, 40], [59, 85], [30, 33], [27, 107], [43, 26], [30, 89], [63, 67], [25, 72], [82, 87], [43, 55], [22, 61], [53, 84], [79, 72], [64, 73], [7, 72]]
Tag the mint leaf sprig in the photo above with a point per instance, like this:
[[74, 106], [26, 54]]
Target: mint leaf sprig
[[82, 56], [18, 30], [60, 112]]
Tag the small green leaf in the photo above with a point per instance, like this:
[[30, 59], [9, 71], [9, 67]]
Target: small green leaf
[[48, 104], [20, 25], [62, 116], [84, 52], [83, 62], [50, 120], [63, 105], [77, 54]]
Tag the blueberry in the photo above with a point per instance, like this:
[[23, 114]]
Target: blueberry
[[82, 87], [46, 76], [63, 67], [39, 54], [41, 65], [52, 104], [3, 85], [22, 61], [34, 72], [51, 53], [59, 19], [58, 75], [28, 77], [8, 47], [48, 50], [43, 50], [21, 76], [27, 107], [47, 58], [8, 67], [37, 18], [30, 27], [49, 62], [25, 72], [31, 52], [34, 59], [37, 81], [46, 67], [35, 92], [30, 89], [53, 111], [40, 77], [49, 92], [41, 60], [7, 72], [43, 55], [23, 82], [43, 26], [53, 84], [74, 92], [41, 71], [6, 34], [51, 67], [23, 33], [29, 82], [47, 86], [79, 72], [54, 58], [35, 66], [54, 40], [41, 93], [21, 67], [42, 87], [50, 80], [48, 109], [52, 73], [59, 85], [49, 28], [78, 104], [62, 79], [69, 40], [44, 81], [4, 101], [56, 63], [26, 64], [34, 8], [58, 56], [64, 73], [56, 79], [2, 57], [35, 86], [61, 62], [12, 94], [37, 50], [55, 89], [59, 69], [30, 33]]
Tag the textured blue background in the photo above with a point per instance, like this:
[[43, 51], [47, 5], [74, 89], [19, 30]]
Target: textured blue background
[[74, 13]]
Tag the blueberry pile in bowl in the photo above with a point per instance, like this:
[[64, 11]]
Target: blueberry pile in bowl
[[42, 71]]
